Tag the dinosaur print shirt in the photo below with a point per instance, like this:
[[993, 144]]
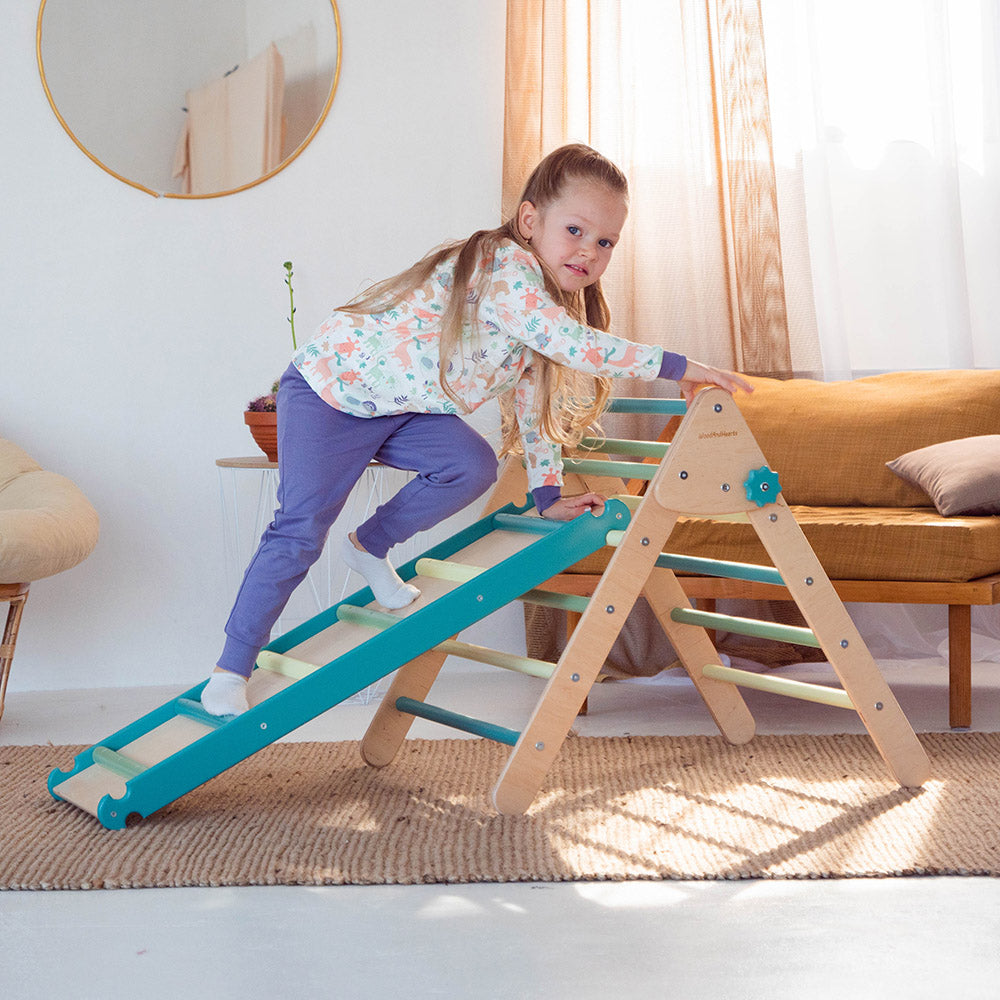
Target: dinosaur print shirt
[[388, 363]]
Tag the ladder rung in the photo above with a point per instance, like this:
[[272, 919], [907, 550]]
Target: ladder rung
[[819, 693], [286, 666], [627, 404], [117, 763], [195, 710], [746, 626], [453, 647], [477, 727], [603, 467], [719, 567], [624, 446], [441, 569], [528, 523]]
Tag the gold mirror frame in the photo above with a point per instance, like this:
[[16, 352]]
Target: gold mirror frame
[[169, 194]]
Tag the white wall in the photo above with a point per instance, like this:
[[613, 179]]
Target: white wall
[[135, 329]]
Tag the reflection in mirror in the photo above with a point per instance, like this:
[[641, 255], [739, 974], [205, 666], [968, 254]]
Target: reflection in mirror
[[190, 98]]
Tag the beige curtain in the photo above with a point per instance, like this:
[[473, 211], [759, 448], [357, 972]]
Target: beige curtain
[[676, 94]]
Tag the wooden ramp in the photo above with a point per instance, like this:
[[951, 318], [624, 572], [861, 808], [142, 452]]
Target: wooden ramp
[[712, 469]]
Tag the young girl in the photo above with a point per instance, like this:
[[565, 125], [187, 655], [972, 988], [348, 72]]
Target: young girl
[[515, 312]]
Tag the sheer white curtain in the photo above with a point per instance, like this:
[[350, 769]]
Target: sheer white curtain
[[886, 113]]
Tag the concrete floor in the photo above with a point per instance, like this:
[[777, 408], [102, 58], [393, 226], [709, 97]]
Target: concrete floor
[[885, 938]]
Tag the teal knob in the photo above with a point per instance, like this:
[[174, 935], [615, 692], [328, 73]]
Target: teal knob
[[762, 486]]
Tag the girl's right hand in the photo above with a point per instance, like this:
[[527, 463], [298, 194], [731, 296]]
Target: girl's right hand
[[566, 508], [697, 375]]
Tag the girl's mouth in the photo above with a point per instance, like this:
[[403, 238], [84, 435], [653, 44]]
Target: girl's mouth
[[576, 269]]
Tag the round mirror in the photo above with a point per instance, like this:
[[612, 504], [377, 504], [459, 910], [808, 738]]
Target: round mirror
[[190, 98]]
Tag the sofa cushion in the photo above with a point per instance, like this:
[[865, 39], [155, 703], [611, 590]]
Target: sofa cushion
[[854, 543], [960, 477], [829, 442]]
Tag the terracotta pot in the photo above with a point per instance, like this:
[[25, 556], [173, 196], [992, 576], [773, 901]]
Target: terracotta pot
[[264, 428]]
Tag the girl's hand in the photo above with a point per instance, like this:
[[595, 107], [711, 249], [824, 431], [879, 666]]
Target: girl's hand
[[697, 375], [566, 508]]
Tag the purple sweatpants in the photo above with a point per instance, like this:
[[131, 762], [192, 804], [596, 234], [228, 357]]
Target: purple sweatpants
[[322, 453]]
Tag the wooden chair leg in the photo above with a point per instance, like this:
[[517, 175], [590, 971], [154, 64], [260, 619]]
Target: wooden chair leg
[[15, 594], [959, 666]]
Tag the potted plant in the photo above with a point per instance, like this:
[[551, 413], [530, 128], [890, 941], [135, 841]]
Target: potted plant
[[261, 414]]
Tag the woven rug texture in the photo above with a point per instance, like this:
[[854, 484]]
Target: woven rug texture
[[611, 809]]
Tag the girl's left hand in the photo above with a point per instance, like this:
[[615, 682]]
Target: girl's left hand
[[697, 375], [566, 508]]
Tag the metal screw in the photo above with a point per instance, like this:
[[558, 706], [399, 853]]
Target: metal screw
[[610, 609], [618, 516], [718, 407], [725, 487], [645, 541], [809, 581], [843, 644], [684, 475], [773, 517], [479, 597], [878, 706], [574, 678], [539, 746], [263, 725], [764, 487]]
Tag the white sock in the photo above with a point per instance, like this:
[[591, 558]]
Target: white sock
[[225, 694], [389, 590]]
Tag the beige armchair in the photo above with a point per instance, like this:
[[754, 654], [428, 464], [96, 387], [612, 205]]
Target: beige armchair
[[46, 526]]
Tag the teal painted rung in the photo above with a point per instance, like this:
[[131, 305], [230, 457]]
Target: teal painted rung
[[625, 446], [664, 406], [117, 763], [746, 626], [601, 467], [191, 709], [526, 523], [499, 734], [718, 567]]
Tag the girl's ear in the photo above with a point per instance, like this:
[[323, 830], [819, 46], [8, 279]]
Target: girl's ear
[[527, 218]]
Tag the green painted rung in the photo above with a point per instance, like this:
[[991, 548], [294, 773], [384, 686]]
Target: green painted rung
[[192, 709], [370, 618], [499, 734], [117, 763], [719, 567], [526, 523], [746, 626], [664, 406], [626, 446], [601, 467]]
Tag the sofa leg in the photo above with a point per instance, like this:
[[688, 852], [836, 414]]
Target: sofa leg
[[959, 666], [15, 594]]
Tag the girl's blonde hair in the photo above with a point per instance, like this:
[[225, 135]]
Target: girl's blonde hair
[[569, 402]]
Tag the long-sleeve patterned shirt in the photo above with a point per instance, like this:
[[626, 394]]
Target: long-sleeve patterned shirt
[[388, 363]]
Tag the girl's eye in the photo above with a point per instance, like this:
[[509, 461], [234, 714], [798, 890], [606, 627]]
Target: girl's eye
[[573, 230], [607, 244]]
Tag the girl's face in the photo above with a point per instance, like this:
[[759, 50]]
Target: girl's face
[[576, 233]]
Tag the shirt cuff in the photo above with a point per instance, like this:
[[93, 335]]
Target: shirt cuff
[[545, 496], [673, 366]]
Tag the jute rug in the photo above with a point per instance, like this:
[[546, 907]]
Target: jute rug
[[623, 808]]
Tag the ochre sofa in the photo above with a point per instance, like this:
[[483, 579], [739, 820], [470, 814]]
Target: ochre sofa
[[878, 535], [47, 525]]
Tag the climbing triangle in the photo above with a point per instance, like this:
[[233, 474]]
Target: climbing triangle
[[713, 468]]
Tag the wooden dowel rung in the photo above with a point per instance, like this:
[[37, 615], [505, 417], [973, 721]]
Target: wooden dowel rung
[[117, 763], [746, 626], [628, 404], [819, 693], [286, 666], [379, 620], [601, 467], [477, 727], [195, 710], [625, 446]]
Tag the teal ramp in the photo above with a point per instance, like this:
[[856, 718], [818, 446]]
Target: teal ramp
[[178, 746]]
